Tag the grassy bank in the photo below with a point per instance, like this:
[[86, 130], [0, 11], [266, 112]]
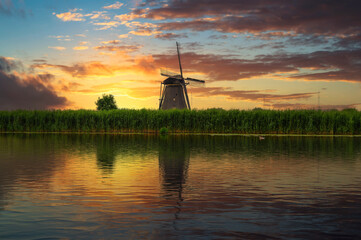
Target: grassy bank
[[195, 121]]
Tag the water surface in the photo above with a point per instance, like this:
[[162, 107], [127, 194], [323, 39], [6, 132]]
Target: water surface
[[59, 186]]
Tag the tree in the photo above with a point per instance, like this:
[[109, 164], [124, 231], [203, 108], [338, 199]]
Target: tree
[[106, 102]]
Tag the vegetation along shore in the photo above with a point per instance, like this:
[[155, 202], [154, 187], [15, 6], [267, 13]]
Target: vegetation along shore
[[257, 121]]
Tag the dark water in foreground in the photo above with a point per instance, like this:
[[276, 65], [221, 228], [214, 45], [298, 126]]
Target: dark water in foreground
[[179, 187]]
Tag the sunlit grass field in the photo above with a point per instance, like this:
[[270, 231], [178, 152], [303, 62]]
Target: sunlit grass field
[[256, 121]]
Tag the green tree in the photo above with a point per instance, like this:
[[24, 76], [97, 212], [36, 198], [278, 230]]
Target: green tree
[[106, 102]]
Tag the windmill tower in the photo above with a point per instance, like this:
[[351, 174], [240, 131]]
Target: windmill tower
[[173, 90]]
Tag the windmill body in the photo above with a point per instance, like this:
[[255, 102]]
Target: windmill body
[[173, 95], [173, 90]]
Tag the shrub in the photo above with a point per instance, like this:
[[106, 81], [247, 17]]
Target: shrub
[[163, 131]]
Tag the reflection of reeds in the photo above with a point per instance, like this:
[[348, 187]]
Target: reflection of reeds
[[200, 121]]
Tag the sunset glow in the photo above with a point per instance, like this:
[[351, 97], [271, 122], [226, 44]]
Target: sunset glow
[[269, 54]]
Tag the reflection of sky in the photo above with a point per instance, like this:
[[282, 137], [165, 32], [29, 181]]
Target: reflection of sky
[[54, 185], [88, 48]]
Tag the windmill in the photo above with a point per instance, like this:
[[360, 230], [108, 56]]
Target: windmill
[[173, 90]]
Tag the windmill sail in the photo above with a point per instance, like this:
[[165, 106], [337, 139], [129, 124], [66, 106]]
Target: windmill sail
[[167, 73]]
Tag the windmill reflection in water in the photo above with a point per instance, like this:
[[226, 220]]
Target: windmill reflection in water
[[173, 90], [174, 155]]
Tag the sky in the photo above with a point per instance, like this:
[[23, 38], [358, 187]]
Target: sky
[[272, 54]]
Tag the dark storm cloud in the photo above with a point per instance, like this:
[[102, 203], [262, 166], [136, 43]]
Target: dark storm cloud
[[327, 17], [26, 91], [329, 66]]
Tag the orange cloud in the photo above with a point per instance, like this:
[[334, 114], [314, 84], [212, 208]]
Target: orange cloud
[[145, 32], [111, 42], [107, 25], [72, 15], [123, 36], [79, 48], [86, 69], [116, 5], [129, 17], [98, 15]]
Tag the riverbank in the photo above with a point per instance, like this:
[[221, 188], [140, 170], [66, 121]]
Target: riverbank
[[210, 121], [264, 135]]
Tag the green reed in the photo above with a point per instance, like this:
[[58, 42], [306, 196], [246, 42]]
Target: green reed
[[194, 121]]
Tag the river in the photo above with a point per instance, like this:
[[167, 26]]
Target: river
[[103, 186]]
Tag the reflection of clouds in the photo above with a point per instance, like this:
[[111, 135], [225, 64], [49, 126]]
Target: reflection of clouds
[[236, 187], [24, 163]]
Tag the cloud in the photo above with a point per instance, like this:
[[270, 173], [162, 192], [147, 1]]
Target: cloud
[[26, 91], [80, 48], [144, 32], [7, 65], [217, 36], [7, 8], [284, 106], [170, 36], [249, 95], [327, 17], [123, 36], [39, 60], [304, 23], [116, 5], [58, 48], [114, 42], [343, 65], [98, 15], [107, 25], [142, 28], [61, 38], [86, 69], [131, 16], [112, 46], [72, 15]]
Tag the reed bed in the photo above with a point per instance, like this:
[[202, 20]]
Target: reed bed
[[192, 121]]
